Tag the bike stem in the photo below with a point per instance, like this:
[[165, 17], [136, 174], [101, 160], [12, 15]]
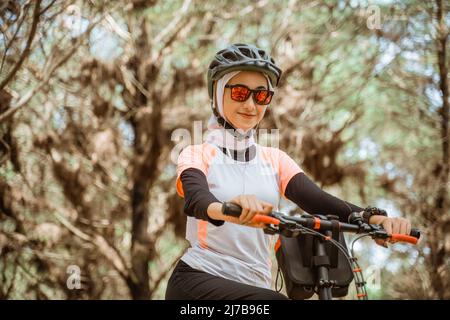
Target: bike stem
[[322, 263]]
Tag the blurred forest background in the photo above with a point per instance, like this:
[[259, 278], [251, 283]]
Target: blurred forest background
[[91, 92]]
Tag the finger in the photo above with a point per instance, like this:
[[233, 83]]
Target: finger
[[396, 223], [408, 227], [244, 215], [250, 215], [259, 207], [245, 209], [268, 207], [403, 227], [254, 209], [236, 200], [254, 213], [255, 204], [387, 225], [232, 219]]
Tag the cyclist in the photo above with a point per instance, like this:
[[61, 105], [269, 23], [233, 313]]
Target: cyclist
[[229, 258]]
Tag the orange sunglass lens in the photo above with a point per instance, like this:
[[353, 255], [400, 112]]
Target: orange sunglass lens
[[262, 96], [268, 99], [240, 93]]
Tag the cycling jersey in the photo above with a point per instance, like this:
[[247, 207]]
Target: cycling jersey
[[207, 173]]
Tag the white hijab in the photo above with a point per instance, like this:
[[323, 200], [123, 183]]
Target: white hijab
[[220, 136]]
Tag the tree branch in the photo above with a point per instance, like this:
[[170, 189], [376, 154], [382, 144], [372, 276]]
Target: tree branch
[[163, 274], [27, 96], [442, 36], [26, 51]]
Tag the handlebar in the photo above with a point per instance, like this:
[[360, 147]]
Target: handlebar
[[356, 225]]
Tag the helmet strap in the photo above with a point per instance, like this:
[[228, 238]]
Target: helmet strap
[[226, 125]]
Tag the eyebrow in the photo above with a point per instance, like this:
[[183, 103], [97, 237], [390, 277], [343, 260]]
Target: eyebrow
[[264, 87], [258, 87]]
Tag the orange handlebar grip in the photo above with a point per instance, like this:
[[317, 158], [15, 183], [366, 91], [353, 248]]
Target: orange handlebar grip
[[265, 219], [404, 238]]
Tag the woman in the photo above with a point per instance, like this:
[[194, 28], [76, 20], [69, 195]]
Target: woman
[[229, 257]]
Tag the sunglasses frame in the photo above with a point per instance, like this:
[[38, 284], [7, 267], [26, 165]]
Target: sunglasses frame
[[252, 93]]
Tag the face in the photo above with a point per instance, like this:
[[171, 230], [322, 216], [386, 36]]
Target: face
[[244, 115]]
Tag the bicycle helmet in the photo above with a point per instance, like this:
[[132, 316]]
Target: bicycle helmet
[[242, 57]]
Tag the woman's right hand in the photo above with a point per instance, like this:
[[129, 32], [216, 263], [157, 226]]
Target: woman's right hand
[[250, 207]]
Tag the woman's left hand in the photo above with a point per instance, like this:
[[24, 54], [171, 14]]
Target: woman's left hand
[[392, 226]]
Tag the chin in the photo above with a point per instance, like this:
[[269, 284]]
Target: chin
[[243, 126]]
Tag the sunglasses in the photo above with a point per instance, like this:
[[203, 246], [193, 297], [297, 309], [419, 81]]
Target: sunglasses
[[240, 93]]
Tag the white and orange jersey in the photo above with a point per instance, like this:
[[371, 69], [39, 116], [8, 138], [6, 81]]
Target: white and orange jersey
[[233, 251]]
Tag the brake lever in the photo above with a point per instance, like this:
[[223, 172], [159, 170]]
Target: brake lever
[[284, 227], [270, 230], [378, 232]]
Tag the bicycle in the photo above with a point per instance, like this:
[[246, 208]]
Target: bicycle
[[322, 227]]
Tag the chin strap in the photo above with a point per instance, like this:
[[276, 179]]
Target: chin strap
[[228, 126]]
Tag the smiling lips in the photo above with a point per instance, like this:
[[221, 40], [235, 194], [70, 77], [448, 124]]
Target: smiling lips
[[245, 115]]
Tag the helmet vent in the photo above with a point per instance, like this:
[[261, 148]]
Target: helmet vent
[[245, 52], [229, 55]]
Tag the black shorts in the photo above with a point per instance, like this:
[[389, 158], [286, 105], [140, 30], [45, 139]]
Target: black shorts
[[187, 283]]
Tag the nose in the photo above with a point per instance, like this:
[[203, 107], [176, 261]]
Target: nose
[[249, 104]]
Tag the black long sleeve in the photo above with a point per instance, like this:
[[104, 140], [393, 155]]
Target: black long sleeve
[[309, 197], [197, 196]]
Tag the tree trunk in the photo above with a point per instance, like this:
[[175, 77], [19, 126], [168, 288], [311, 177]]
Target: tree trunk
[[439, 254]]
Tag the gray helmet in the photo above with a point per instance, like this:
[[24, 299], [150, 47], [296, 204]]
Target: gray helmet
[[241, 56]]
